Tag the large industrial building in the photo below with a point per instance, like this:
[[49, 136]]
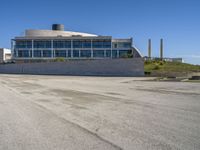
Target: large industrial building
[[57, 43], [40, 52]]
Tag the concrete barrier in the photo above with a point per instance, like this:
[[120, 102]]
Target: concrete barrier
[[100, 67]]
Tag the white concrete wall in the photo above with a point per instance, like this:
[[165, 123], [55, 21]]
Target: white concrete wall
[[102, 67]]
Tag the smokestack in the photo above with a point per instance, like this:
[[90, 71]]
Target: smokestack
[[149, 48], [161, 49]]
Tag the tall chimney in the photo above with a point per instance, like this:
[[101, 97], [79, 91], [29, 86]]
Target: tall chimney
[[149, 48], [161, 49]]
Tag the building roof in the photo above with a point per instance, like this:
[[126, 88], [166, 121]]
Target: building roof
[[54, 33]]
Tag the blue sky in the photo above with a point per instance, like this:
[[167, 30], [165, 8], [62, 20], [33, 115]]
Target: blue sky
[[176, 21]]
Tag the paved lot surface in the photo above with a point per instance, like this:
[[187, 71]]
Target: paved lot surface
[[73, 113]]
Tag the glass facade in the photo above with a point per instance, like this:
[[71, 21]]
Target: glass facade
[[72, 48], [82, 44], [62, 44], [101, 44], [42, 44], [24, 53], [85, 53], [37, 53], [122, 45], [46, 53], [69, 53], [60, 53], [98, 53], [23, 44], [75, 53], [108, 53], [124, 53], [114, 53]]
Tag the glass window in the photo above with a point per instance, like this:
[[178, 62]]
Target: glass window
[[86, 44], [115, 45], [29, 44], [107, 44], [124, 45], [20, 44], [15, 53], [98, 53], [124, 53], [114, 53], [23, 53], [77, 44], [37, 53], [75, 53], [47, 53], [69, 53], [127, 45], [42, 44], [101, 44], [23, 44], [108, 53], [62, 44], [85, 53], [60, 53], [97, 44]]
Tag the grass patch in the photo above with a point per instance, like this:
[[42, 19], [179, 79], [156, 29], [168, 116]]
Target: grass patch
[[162, 68]]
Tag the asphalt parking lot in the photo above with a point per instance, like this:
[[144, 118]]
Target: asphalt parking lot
[[59, 113]]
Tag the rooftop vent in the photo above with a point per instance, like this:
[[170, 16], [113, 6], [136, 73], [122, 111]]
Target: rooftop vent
[[58, 27]]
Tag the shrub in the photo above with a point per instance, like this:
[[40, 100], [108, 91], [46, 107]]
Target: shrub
[[60, 59], [161, 63], [156, 67]]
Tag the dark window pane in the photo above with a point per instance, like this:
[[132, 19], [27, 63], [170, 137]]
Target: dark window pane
[[69, 53], [62, 44], [77, 44], [124, 45], [98, 53], [29, 44], [23, 53], [97, 44], [75, 53], [108, 53], [47, 53], [85, 53], [124, 53], [107, 44], [101, 44], [86, 44], [37, 53], [42, 44], [67, 44], [23, 44], [60, 53], [114, 53]]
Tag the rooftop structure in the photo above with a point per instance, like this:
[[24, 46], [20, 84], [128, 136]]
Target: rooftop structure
[[56, 43]]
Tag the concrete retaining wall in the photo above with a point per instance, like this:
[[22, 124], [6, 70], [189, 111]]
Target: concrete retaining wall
[[101, 67]]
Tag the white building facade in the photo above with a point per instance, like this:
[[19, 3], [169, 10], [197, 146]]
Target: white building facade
[[57, 43], [5, 55]]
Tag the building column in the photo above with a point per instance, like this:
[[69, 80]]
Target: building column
[[104, 53], [52, 51], [111, 49], [117, 53], [72, 49], [66, 55], [32, 48], [41, 53], [91, 49]]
